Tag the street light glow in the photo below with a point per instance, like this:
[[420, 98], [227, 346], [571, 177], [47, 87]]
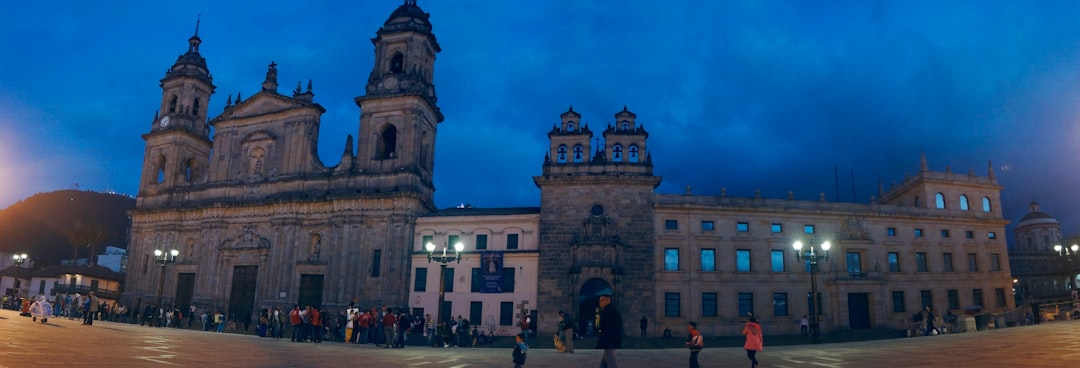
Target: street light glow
[[430, 247]]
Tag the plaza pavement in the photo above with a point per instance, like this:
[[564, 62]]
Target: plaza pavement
[[67, 343]]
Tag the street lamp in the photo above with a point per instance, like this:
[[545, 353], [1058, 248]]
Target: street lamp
[[812, 256], [19, 259], [163, 258], [443, 259], [1069, 253]]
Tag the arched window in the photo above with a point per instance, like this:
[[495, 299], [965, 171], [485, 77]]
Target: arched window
[[939, 200], [963, 203], [397, 63], [616, 153], [633, 153], [387, 146], [625, 126], [986, 204], [570, 126], [578, 154], [189, 168], [917, 202], [562, 154], [160, 170], [172, 104], [195, 107]]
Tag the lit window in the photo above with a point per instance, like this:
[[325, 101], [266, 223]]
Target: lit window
[[671, 259], [777, 228], [809, 229], [742, 227], [963, 202], [707, 226], [708, 259], [742, 260], [939, 200], [671, 224]]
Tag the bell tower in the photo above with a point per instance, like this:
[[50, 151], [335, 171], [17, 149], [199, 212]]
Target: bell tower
[[178, 145], [398, 115]]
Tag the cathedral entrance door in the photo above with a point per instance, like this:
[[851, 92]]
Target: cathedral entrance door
[[185, 287], [588, 305], [311, 290], [242, 298]]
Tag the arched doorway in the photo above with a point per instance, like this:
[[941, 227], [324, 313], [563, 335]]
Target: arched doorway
[[588, 302]]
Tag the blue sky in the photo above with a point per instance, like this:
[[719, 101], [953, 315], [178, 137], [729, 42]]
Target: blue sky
[[742, 95]]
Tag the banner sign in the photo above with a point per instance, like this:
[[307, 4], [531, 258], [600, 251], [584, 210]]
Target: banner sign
[[491, 272]]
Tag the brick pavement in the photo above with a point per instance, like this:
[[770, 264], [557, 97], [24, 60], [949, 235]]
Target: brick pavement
[[68, 343]]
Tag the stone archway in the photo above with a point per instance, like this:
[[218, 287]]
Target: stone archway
[[588, 304]]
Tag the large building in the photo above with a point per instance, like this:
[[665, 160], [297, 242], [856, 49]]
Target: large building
[[1043, 274], [260, 222]]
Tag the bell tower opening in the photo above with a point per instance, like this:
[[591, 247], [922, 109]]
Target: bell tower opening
[[397, 63], [387, 148]]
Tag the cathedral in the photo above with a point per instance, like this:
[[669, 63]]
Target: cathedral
[[258, 221]]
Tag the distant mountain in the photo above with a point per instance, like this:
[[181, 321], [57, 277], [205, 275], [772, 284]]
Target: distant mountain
[[44, 225]]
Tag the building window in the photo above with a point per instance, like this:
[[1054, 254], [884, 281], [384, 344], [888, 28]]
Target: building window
[[477, 279], [780, 304], [890, 231], [778, 261], [746, 304], [506, 314], [944, 233], [973, 263], [963, 202], [995, 262], [511, 241], [707, 226], [616, 153], [954, 298], [918, 233], [579, 154], [939, 200], [898, 302], [999, 297], [986, 204], [709, 305], [671, 224], [947, 261], [777, 228], [976, 297], [420, 283], [476, 312], [742, 260], [562, 154], [425, 240], [452, 240], [969, 234], [671, 304], [376, 263], [920, 262], [809, 229], [448, 280], [708, 260], [927, 298], [481, 241], [894, 262], [671, 259], [742, 227], [633, 153], [508, 280], [991, 235], [854, 264]]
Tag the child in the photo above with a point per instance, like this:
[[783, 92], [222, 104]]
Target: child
[[520, 351]]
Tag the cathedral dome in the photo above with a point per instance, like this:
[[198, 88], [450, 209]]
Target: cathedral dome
[[409, 15], [1036, 217]]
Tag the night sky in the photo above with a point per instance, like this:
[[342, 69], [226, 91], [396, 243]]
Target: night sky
[[742, 95]]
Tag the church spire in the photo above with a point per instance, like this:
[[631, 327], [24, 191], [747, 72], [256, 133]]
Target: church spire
[[194, 41], [270, 84]]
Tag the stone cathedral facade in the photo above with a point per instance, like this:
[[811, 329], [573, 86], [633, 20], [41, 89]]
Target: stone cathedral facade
[[259, 221], [253, 211]]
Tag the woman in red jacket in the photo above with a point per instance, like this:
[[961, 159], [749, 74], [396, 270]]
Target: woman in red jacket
[[754, 340]]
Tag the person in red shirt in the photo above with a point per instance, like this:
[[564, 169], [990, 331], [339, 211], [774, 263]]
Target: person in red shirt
[[316, 325], [295, 321], [388, 321]]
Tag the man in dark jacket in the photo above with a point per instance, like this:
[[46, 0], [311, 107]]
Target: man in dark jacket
[[610, 332]]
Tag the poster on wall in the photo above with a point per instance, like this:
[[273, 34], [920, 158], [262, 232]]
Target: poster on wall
[[491, 272]]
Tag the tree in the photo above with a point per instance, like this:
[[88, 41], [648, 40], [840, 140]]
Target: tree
[[89, 234]]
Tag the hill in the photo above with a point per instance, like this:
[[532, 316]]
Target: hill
[[45, 224]]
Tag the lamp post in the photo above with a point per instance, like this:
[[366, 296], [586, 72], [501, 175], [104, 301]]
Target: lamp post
[[812, 256], [1069, 253], [443, 259], [19, 259], [163, 258]]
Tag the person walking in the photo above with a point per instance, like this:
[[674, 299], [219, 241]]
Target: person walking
[[804, 326], [754, 341], [695, 343], [930, 329], [610, 332], [566, 330], [644, 325], [521, 351]]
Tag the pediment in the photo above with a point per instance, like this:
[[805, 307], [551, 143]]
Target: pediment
[[261, 103]]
